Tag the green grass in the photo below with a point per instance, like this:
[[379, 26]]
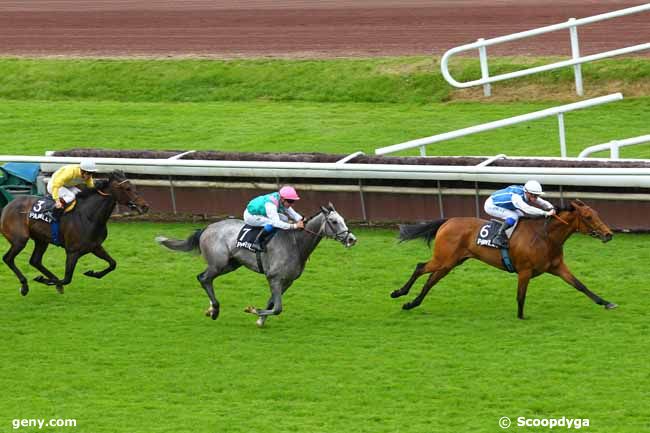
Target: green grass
[[133, 352], [332, 106], [391, 80], [32, 127]]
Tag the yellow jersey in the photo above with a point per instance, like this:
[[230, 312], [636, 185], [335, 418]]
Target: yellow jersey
[[68, 175]]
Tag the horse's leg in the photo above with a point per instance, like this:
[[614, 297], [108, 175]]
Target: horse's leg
[[101, 253], [36, 260], [274, 305], [262, 319], [417, 273], [71, 259], [522, 287], [9, 257], [205, 279], [563, 272], [436, 276]]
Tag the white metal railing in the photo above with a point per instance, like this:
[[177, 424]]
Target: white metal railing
[[596, 176], [572, 24], [559, 111], [614, 145]]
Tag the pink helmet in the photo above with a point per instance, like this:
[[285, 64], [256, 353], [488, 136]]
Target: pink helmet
[[289, 193]]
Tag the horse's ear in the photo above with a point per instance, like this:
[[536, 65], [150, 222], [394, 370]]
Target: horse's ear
[[578, 203], [331, 207], [324, 210]]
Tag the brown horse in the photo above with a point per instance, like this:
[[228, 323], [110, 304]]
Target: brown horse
[[535, 248], [83, 230]]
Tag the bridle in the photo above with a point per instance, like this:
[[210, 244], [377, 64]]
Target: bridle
[[591, 232], [130, 204], [340, 236]]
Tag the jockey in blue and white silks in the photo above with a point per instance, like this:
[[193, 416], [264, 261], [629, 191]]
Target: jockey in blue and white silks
[[513, 202], [271, 211]]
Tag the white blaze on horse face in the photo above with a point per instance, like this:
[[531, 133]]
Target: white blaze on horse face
[[339, 228]]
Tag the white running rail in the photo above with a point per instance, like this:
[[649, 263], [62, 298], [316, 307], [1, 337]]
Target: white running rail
[[572, 24], [559, 111], [614, 145]]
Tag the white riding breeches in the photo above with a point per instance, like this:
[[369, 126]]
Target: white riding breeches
[[261, 220], [500, 212], [68, 193]]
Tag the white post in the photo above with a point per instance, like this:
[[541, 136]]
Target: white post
[[423, 151], [560, 120], [614, 149], [575, 53], [485, 74]]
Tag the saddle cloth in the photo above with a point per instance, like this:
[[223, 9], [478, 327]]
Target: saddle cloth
[[247, 236], [42, 210], [43, 207], [489, 231]]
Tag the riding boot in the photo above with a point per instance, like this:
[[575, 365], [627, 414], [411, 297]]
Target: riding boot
[[260, 241], [501, 240]]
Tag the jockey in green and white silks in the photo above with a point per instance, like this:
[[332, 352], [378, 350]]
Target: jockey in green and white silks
[[271, 211], [513, 202]]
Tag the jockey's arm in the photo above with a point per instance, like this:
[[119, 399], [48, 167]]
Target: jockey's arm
[[544, 204], [272, 214], [90, 182], [525, 207], [292, 214]]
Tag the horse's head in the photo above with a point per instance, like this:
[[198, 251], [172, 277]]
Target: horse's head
[[334, 226], [590, 223], [124, 192]]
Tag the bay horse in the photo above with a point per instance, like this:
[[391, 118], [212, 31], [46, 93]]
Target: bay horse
[[83, 230], [535, 248], [282, 263]]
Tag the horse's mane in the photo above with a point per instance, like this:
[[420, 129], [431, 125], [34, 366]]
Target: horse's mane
[[320, 211]]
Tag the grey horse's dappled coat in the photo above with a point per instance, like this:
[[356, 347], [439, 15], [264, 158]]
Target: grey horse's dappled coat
[[282, 262]]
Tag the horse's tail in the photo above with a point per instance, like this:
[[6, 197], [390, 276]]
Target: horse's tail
[[426, 230], [189, 244]]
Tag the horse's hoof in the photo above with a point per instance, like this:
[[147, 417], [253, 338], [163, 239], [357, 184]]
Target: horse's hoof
[[59, 289], [407, 306], [611, 306], [212, 313], [90, 274], [24, 291], [250, 309], [260, 322], [396, 294]]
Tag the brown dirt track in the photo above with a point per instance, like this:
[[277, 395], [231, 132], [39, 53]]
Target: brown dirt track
[[301, 28]]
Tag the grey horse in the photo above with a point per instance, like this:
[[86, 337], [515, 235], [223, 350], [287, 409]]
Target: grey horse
[[282, 262]]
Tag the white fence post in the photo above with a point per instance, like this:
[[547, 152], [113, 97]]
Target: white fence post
[[560, 121], [485, 73], [575, 53]]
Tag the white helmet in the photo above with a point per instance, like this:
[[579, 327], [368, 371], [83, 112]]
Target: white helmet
[[533, 187], [88, 165]]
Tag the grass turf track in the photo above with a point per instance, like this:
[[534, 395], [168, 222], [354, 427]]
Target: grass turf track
[[133, 351]]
